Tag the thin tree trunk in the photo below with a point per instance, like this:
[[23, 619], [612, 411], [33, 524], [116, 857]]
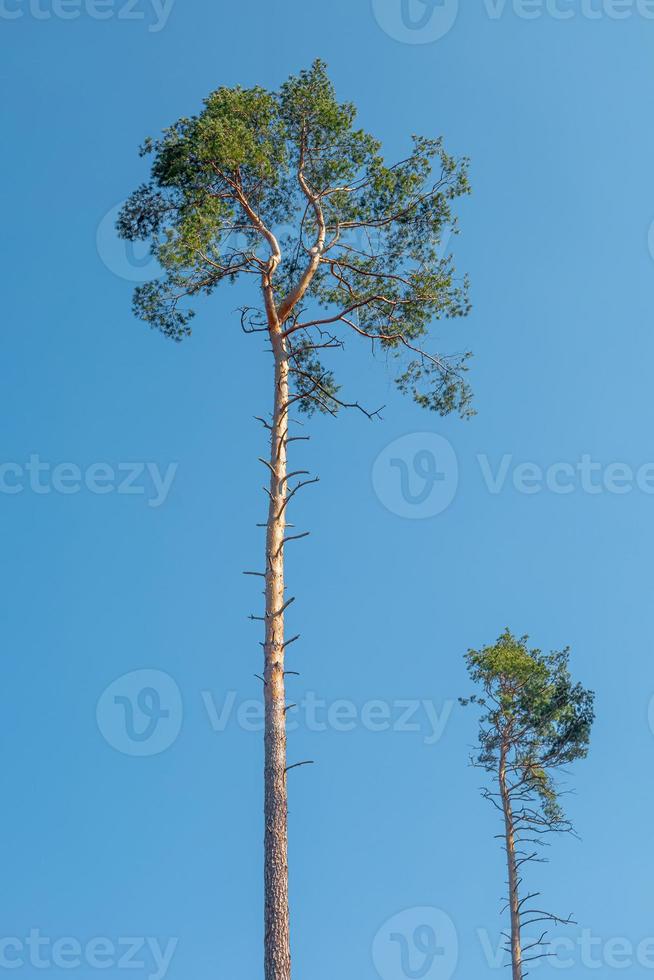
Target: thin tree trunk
[[277, 931], [514, 897]]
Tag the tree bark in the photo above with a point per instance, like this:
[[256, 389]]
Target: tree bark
[[514, 897], [277, 952]]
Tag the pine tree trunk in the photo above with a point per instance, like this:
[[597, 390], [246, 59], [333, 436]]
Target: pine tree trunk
[[514, 897], [277, 932]]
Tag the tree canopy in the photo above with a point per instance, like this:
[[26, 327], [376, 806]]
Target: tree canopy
[[283, 186], [533, 713]]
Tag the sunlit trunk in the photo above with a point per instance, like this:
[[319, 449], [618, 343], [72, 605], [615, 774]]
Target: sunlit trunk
[[277, 932], [514, 897]]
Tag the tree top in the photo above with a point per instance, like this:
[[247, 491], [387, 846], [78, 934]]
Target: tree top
[[283, 186]]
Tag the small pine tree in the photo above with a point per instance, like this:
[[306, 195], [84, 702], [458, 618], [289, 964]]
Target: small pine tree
[[535, 721]]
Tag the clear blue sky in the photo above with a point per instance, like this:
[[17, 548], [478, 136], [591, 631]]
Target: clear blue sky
[[98, 843]]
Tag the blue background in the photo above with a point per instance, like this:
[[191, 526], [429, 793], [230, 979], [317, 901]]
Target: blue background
[[556, 116]]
